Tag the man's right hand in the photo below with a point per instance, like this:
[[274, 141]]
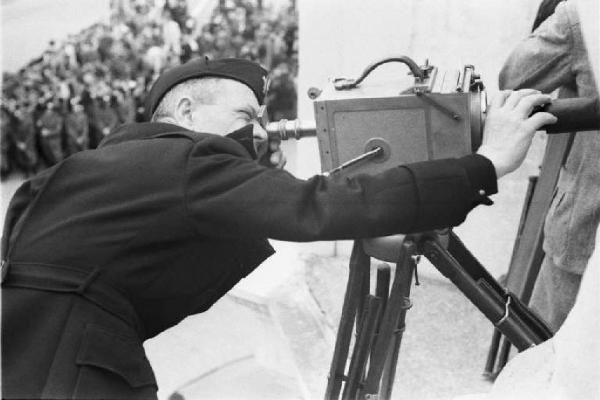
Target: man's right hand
[[509, 128]]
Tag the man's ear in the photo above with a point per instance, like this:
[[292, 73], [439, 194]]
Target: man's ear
[[183, 111]]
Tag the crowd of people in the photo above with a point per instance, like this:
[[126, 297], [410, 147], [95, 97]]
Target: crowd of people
[[79, 90]]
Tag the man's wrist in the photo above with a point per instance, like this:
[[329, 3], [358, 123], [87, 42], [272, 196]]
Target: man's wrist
[[499, 168]]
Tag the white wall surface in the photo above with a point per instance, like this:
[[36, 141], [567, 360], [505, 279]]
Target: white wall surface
[[341, 37]]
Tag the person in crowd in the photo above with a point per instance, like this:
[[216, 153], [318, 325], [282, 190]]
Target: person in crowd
[[77, 128], [50, 126], [105, 118], [6, 142], [97, 59], [24, 137], [124, 104], [189, 48], [178, 10], [554, 57], [165, 217], [283, 100], [171, 34]]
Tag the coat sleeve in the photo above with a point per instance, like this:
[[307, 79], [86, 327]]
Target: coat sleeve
[[231, 196], [543, 61]]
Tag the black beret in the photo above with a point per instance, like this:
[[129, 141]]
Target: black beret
[[247, 72]]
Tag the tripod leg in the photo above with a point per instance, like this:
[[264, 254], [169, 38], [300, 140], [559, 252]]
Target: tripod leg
[[394, 316], [475, 282], [488, 372], [389, 369], [362, 347], [359, 267], [496, 336], [504, 353], [528, 252], [382, 290], [364, 290]]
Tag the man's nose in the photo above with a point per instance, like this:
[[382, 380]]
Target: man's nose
[[259, 133]]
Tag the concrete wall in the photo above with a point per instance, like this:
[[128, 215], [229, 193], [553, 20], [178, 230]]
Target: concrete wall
[[341, 37]]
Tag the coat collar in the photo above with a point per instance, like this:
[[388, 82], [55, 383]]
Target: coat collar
[[146, 130]]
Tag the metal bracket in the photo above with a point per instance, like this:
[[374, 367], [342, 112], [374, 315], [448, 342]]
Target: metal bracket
[[445, 110]]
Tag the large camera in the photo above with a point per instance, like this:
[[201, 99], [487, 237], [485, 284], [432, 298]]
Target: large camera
[[366, 125]]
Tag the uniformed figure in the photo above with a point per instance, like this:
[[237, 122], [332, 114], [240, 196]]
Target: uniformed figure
[[50, 127], [125, 106], [6, 141], [24, 137], [77, 127], [104, 119], [115, 245]]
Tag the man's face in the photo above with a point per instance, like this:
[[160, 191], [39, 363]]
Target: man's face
[[234, 107]]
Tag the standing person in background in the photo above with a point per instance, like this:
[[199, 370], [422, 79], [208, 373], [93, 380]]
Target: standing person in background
[[171, 34], [50, 127], [7, 124], [24, 137], [105, 118], [124, 105], [77, 128], [554, 57]]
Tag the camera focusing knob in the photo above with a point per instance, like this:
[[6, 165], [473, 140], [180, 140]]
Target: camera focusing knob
[[384, 154]]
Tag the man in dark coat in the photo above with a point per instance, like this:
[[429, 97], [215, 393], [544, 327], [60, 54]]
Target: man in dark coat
[[7, 125], [77, 128], [115, 245], [50, 127], [104, 119], [24, 137]]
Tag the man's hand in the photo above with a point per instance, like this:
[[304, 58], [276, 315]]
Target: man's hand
[[268, 151], [509, 128], [276, 157]]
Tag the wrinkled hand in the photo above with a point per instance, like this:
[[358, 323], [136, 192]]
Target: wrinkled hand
[[509, 128]]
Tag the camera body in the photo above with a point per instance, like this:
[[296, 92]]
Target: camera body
[[429, 115]]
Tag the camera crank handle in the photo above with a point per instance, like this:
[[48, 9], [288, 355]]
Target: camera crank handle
[[376, 152]]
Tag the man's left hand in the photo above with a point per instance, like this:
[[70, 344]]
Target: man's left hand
[[276, 157], [270, 155]]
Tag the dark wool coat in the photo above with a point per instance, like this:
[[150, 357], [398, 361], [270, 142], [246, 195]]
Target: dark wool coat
[[112, 246]]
